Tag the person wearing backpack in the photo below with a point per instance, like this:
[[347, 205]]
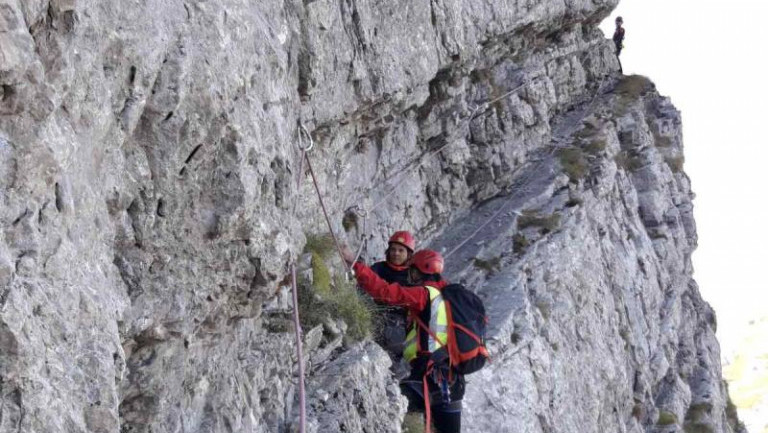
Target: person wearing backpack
[[394, 269], [436, 384]]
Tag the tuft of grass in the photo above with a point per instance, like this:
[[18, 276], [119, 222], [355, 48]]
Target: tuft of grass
[[519, 243], [629, 162], [547, 223], [662, 140], [413, 423], [347, 303], [574, 163], [629, 89], [732, 416], [696, 419], [490, 265], [480, 75], [278, 325], [675, 163], [321, 244], [634, 86], [575, 201], [698, 428], [597, 145], [622, 160], [666, 418], [590, 138], [730, 409], [637, 411], [321, 276], [312, 309], [545, 308], [624, 334], [588, 130], [332, 297], [342, 301]]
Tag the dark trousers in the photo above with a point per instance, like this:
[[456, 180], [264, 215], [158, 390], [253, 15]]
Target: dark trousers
[[446, 417]]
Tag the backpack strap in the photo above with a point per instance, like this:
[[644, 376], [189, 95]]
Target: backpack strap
[[469, 333], [453, 347], [423, 326], [427, 407]]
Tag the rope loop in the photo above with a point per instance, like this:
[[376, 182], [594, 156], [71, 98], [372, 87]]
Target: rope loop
[[311, 144]]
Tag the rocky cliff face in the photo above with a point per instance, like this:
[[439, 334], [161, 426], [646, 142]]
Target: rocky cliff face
[[148, 169]]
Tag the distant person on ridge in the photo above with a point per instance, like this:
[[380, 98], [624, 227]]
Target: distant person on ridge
[[394, 270], [618, 39]]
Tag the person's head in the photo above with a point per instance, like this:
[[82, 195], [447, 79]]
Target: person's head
[[619, 21], [400, 249], [426, 265]]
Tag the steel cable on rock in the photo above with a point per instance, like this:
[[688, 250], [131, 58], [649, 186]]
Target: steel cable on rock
[[364, 213], [413, 165], [504, 206], [423, 157]]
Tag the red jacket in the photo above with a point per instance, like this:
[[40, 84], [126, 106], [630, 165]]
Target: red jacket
[[413, 298], [391, 273]]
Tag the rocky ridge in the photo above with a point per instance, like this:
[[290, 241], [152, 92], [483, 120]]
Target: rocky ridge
[[148, 166]]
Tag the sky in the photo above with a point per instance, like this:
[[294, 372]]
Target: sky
[[710, 57]]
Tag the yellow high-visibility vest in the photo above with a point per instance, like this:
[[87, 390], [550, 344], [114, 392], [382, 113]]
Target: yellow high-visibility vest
[[438, 324]]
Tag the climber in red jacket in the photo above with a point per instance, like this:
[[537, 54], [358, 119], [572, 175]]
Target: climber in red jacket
[[422, 301], [399, 250], [394, 269]]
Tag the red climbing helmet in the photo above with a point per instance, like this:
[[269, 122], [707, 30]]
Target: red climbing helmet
[[428, 261], [405, 239]]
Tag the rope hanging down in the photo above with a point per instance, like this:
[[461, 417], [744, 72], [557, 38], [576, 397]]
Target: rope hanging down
[[325, 213], [295, 294]]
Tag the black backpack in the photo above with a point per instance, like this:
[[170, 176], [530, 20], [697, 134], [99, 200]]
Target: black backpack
[[465, 351]]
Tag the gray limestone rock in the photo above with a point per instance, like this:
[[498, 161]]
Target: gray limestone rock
[[152, 198]]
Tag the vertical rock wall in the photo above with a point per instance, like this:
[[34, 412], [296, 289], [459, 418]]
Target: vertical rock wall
[[148, 162]]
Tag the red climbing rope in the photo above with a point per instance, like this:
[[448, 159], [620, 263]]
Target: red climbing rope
[[295, 294], [300, 355], [325, 212]]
